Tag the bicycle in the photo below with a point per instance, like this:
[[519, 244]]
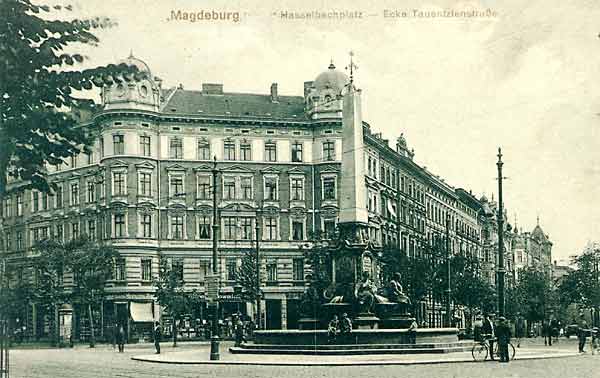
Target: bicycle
[[481, 350]]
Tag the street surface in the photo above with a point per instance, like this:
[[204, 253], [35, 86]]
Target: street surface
[[82, 362]]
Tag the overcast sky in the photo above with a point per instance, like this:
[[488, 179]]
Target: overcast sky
[[525, 79]]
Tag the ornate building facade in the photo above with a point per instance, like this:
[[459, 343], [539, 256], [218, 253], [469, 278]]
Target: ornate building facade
[[147, 190]]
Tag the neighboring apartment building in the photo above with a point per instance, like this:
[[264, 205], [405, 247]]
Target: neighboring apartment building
[[147, 189]]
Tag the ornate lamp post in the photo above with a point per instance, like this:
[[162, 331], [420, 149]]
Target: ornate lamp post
[[448, 287], [214, 339], [258, 316], [501, 270]]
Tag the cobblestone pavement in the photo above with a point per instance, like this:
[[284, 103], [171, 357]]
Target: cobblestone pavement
[[82, 362]]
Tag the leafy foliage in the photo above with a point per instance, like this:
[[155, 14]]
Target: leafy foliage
[[582, 285], [171, 294], [38, 86], [246, 275], [534, 294]]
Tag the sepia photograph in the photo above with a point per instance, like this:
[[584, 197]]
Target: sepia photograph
[[299, 188]]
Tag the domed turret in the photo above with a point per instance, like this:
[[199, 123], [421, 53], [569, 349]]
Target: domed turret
[[331, 79], [143, 94], [323, 97]]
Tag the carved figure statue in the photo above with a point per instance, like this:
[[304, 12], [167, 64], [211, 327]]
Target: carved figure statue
[[366, 294], [394, 291]]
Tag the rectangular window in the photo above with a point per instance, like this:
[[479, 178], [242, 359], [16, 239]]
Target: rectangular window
[[176, 150], [119, 184], [245, 152], [120, 269], [177, 227], [146, 270], [91, 191], [329, 192], [35, 201], [204, 226], [177, 268], [7, 206], [272, 272], [44, 201], [298, 269], [204, 189], [329, 229], [90, 158], [19, 204], [146, 225], [229, 228], [73, 161], [74, 230], [145, 145], [119, 144], [329, 150], [270, 151], [74, 193], [229, 150], [19, 240], [271, 188], [231, 269], [145, 185], [203, 150], [297, 230], [246, 228], [8, 241], [119, 225], [91, 231], [246, 186], [270, 228], [60, 233], [176, 186], [228, 188], [297, 189], [296, 152]]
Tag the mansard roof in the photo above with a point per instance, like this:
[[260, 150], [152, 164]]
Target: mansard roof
[[234, 104]]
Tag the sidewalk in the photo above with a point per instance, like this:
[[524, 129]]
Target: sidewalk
[[200, 356]]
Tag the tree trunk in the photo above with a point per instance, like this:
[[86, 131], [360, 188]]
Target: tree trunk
[[56, 327], [91, 320]]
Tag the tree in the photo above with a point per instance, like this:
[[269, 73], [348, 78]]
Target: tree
[[51, 261], [246, 275], [172, 295], [416, 273], [92, 266], [535, 293], [39, 83], [582, 285]]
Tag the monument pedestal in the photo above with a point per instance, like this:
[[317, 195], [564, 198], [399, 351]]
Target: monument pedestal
[[365, 321], [397, 321]]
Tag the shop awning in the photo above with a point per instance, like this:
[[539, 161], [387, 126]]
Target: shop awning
[[141, 311]]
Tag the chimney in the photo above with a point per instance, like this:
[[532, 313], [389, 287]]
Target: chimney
[[274, 96], [212, 89]]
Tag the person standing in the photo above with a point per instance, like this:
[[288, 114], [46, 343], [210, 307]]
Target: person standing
[[488, 332], [519, 329], [121, 339], [238, 329], [157, 336], [503, 333], [412, 332], [582, 332]]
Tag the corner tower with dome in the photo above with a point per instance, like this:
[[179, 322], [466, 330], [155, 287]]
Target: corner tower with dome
[[288, 164]]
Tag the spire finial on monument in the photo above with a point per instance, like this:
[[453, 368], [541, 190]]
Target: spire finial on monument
[[351, 67]]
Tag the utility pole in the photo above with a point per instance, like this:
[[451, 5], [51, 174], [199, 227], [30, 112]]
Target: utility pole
[[258, 298], [214, 339], [448, 289], [500, 283]]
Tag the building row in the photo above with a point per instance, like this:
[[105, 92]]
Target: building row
[[146, 187]]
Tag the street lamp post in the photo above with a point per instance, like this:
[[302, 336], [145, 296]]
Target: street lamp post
[[501, 270], [448, 288], [214, 339], [258, 305]]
